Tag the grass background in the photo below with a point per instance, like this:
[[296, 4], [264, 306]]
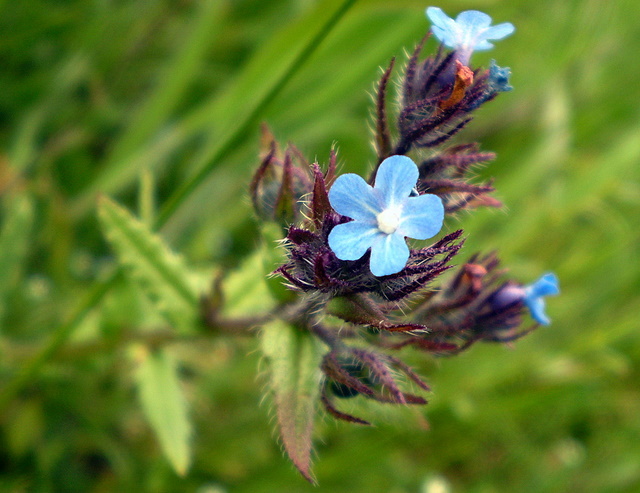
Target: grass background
[[98, 96]]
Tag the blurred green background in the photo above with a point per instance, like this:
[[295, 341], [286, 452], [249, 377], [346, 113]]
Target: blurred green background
[[100, 96]]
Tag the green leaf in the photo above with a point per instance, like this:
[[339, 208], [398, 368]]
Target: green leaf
[[273, 256], [159, 272], [164, 406], [294, 377], [14, 244], [146, 196], [245, 290]]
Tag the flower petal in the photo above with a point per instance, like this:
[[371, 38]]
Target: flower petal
[[469, 32], [438, 17], [444, 27], [353, 197], [472, 24], [396, 177], [547, 285], [482, 46], [422, 217], [350, 241], [499, 31], [536, 307], [443, 36], [389, 254], [473, 20]]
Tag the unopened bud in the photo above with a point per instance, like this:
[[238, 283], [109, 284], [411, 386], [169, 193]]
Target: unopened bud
[[281, 183]]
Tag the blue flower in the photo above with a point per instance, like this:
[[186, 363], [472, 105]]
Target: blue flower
[[547, 285], [471, 31], [383, 215]]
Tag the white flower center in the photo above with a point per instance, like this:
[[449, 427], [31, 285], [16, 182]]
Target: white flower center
[[388, 221]]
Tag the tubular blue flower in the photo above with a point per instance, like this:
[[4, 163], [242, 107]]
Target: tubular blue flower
[[383, 215], [469, 32], [547, 285]]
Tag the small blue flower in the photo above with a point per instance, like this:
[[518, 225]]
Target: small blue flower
[[383, 215], [471, 31], [547, 285]]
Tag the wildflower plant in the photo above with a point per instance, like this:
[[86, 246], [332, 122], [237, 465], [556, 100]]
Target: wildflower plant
[[354, 284], [345, 283]]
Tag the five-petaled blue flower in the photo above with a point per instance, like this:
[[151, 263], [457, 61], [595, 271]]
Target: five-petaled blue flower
[[547, 285], [383, 215], [469, 32]]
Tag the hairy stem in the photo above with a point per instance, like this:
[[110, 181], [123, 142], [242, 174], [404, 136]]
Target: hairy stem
[[153, 338]]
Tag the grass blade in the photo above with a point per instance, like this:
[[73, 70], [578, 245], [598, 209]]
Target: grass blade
[[14, 243]]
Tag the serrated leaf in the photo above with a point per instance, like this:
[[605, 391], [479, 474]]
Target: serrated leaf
[[245, 290], [273, 256], [294, 377], [164, 406], [160, 273], [14, 243]]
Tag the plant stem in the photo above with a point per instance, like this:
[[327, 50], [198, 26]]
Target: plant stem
[[153, 338]]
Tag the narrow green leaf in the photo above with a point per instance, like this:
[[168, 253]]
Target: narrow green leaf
[[147, 196], [294, 377], [25, 148], [164, 406], [159, 272], [14, 243]]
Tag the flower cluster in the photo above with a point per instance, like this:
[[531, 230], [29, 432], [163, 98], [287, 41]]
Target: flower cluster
[[347, 250]]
